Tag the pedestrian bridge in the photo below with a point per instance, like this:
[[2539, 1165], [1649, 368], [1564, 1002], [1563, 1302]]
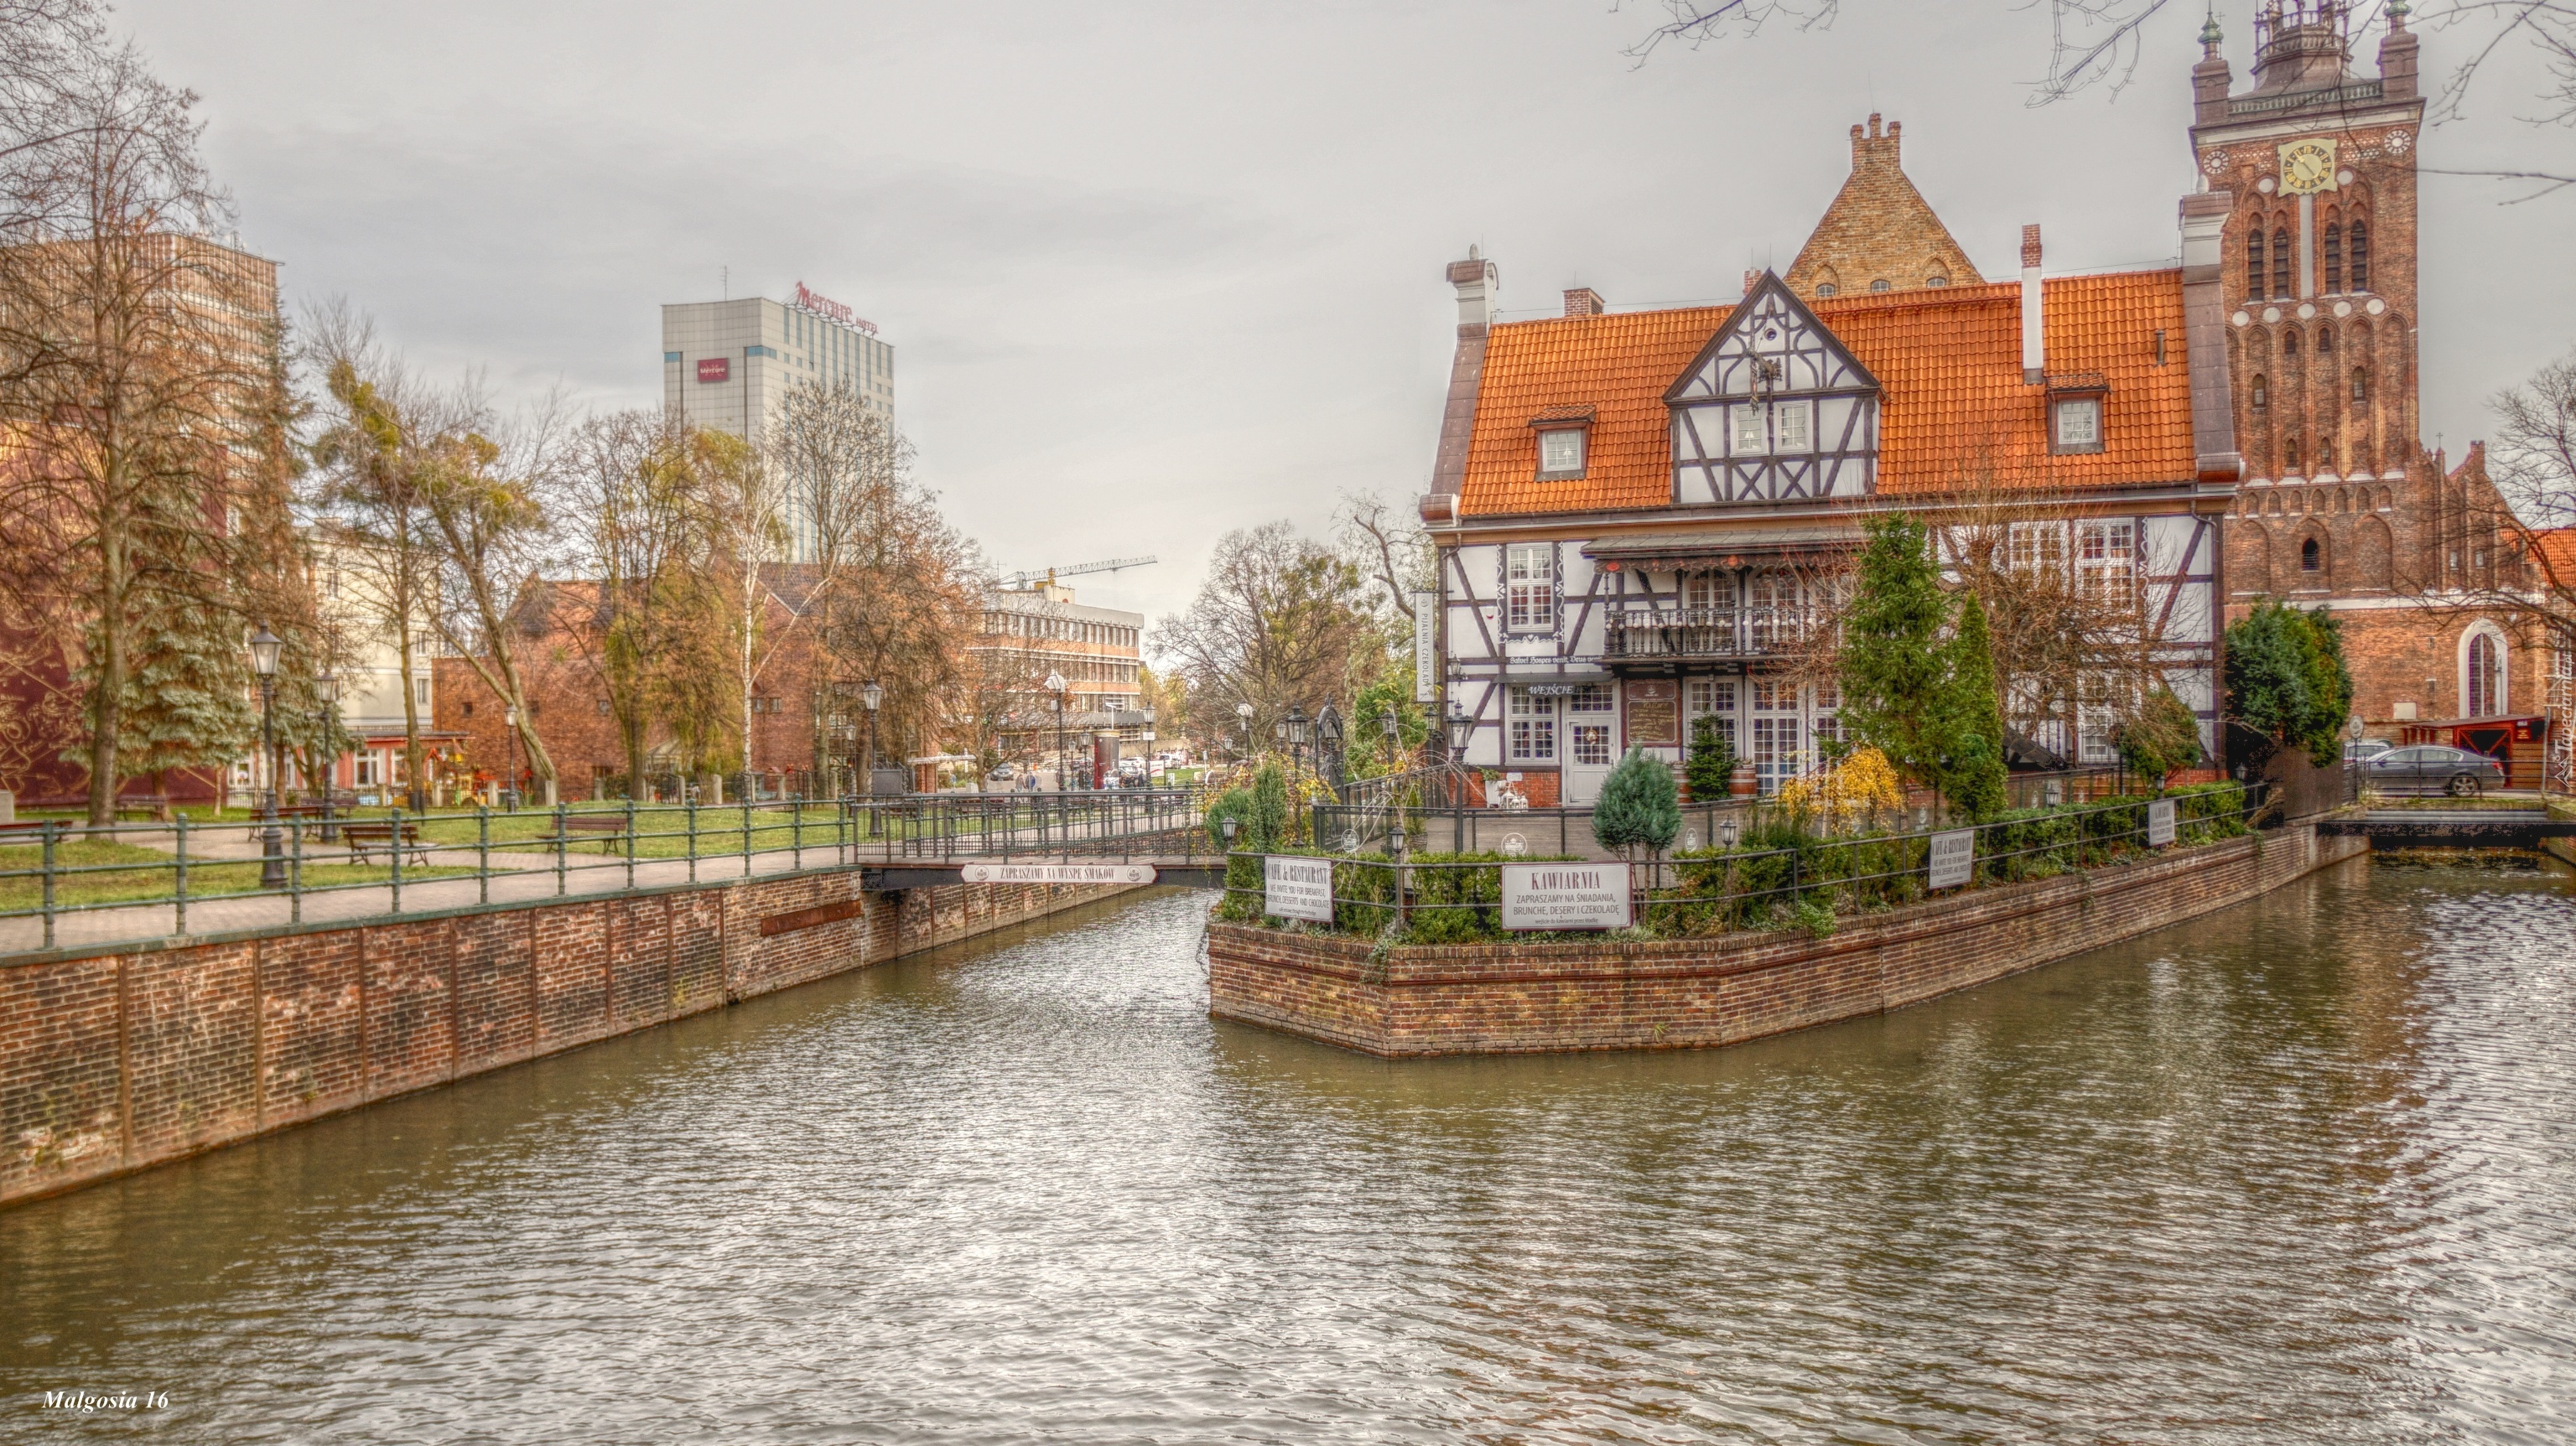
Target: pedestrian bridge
[[2495, 828]]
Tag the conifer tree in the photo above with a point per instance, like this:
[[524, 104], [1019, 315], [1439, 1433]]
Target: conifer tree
[[1638, 805], [1711, 768], [1972, 763], [188, 696], [1892, 664]]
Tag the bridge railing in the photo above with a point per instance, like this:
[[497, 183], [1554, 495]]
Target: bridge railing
[[61, 878]]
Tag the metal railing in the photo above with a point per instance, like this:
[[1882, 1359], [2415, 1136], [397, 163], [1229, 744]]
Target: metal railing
[[1775, 879], [1746, 632], [53, 869]]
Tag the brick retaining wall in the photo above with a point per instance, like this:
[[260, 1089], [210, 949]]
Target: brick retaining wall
[[119, 1060], [1506, 998]]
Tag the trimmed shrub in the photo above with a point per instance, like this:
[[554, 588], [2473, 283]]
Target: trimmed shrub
[[1638, 805]]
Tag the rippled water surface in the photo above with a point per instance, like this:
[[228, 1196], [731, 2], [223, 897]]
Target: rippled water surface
[[2299, 1172]]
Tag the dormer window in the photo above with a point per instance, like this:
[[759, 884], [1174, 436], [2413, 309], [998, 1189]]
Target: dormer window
[[1564, 439], [2075, 412], [1560, 452], [1879, 285], [1826, 288]]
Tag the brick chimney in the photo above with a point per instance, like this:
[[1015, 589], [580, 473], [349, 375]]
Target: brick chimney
[[2034, 343], [1874, 148], [1753, 278], [1476, 281], [1583, 301]]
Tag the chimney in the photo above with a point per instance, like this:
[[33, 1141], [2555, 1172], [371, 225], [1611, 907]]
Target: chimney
[[2034, 346], [1583, 301], [2204, 316], [1477, 281]]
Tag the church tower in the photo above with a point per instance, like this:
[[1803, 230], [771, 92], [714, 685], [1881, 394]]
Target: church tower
[[2311, 177]]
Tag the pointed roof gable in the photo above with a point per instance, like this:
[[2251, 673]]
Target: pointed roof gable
[[1879, 228], [1771, 325]]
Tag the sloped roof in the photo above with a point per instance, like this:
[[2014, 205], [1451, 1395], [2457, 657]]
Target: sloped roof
[[1953, 409]]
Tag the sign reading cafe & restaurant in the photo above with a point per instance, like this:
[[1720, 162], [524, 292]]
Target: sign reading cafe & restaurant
[[1294, 888], [1954, 858], [1565, 896]]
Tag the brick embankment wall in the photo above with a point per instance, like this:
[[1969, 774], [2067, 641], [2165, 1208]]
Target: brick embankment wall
[[116, 1061], [1508, 998]]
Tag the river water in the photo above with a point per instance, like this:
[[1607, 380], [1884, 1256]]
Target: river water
[[2298, 1172]]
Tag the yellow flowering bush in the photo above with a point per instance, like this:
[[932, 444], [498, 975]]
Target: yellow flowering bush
[[1854, 791]]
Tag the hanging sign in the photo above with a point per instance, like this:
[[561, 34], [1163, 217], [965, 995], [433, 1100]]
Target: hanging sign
[[1295, 888], [1565, 896], [1954, 858], [2160, 823], [1426, 648], [1056, 873]]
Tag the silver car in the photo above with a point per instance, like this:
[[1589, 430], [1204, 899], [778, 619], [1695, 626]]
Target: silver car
[[2433, 768]]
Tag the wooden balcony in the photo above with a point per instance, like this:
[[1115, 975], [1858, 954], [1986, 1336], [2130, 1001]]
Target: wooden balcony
[[1711, 633]]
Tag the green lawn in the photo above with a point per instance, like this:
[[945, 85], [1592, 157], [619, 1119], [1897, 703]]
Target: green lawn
[[114, 873]]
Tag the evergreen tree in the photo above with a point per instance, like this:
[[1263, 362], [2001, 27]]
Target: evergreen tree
[[1638, 805], [1711, 769], [1268, 827], [1972, 759], [187, 700], [1892, 665], [2286, 679]]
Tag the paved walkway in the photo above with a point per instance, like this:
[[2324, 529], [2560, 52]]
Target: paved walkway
[[516, 877]]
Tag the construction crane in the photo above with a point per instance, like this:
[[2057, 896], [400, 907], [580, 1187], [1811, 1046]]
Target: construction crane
[[1047, 576]]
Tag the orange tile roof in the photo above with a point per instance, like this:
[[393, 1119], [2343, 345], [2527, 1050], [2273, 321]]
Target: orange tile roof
[[1953, 405]]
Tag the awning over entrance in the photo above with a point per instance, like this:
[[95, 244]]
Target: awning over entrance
[[1692, 551]]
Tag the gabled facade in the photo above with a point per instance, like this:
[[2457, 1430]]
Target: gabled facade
[[1774, 409]]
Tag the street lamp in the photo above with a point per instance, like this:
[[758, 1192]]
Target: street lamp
[[1243, 718], [329, 689], [1293, 728], [510, 779], [872, 695], [1462, 731], [1055, 700], [264, 646]]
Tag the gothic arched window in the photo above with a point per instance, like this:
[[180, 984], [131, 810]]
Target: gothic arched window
[[2334, 256], [2325, 341], [2254, 264], [2486, 676], [2260, 393], [2361, 384], [2360, 250], [2290, 342], [2290, 453], [2281, 277], [2311, 556]]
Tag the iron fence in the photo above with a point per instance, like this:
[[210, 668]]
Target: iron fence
[[1776, 876], [54, 869]]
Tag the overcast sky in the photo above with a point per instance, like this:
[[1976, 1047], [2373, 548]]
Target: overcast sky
[[1153, 271]]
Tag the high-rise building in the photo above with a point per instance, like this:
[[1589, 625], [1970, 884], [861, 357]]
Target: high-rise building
[[729, 364]]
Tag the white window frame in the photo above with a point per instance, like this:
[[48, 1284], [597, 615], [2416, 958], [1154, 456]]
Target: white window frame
[[1529, 587], [1592, 746], [2106, 560], [1563, 452], [1796, 415], [2087, 411], [2035, 548], [1529, 731], [1748, 431]]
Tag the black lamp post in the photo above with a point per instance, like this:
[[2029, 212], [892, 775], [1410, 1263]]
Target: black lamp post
[[1462, 731], [872, 695], [1055, 700], [1293, 728], [510, 780], [329, 715], [264, 647]]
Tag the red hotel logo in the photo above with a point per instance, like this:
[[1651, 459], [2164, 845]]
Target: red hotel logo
[[826, 307], [715, 368]]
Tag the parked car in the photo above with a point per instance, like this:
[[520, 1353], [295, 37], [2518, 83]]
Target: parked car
[[2366, 750], [2434, 768]]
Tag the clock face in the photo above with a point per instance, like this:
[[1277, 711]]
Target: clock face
[[2307, 167]]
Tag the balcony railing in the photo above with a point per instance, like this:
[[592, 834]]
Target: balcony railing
[[1705, 633]]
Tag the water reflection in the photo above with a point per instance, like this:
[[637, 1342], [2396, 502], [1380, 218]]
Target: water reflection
[[2295, 1173]]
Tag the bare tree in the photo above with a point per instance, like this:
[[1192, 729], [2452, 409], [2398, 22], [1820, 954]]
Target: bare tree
[[130, 360], [1281, 620]]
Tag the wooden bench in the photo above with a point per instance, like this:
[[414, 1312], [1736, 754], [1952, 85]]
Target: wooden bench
[[366, 837], [152, 805], [607, 828]]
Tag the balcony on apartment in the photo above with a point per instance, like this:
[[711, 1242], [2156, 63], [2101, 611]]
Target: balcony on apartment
[[1716, 634]]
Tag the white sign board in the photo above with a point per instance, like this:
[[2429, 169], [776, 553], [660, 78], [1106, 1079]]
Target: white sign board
[[2160, 823], [1056, 874], [1565, 896], [1426, 647], [1954, 857], [1297, 888]]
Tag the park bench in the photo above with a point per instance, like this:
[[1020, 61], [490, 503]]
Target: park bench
[[366, 837], [607, 828], [151, 805]]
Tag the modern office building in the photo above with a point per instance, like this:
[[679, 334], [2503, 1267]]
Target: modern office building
[[729, 364]]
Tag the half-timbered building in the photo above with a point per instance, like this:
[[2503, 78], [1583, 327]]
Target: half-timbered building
[[1644, 517]]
